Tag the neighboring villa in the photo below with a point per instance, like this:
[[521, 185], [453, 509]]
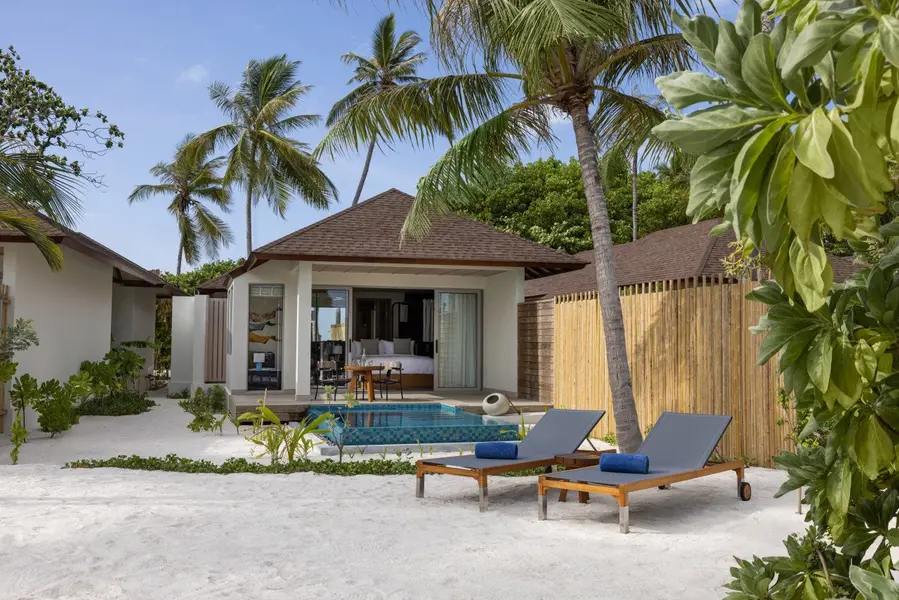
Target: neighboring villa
[[678, 253], [446, 307], [97, 299]]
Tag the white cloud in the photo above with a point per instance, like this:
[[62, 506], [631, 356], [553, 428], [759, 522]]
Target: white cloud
[[194, 74]]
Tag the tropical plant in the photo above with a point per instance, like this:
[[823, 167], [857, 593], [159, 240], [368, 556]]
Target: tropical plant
[[54, 406], [563, 55], [18, 337], [394, 62], [191, 179], [262, 158], [204, 405], [797, 141], [117, 403], [298, 441]]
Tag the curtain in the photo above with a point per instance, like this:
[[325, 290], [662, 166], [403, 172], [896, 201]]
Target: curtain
[[458, 339], [427, 320]]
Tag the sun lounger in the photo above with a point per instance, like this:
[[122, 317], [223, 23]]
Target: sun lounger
[[678, 446], [557, 433]]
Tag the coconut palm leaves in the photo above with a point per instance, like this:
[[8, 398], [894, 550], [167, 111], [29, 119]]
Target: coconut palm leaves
[[31, 183], [393, 63], [262, 157], [191, 179], [540, 56]]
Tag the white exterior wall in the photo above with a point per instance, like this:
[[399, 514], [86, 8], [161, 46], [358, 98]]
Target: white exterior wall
[[134, 318], [71, 310], [274, 272], [502, 294], [184, 335], [198, 373]]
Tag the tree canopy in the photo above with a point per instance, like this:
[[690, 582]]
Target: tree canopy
[[189, 280], [544, 201]]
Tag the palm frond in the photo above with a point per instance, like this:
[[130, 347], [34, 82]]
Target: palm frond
[[28, 227], [418, 112], [212, 230], [474, 160], [626, 121], [33, 181], [147, 191], [644, 59]]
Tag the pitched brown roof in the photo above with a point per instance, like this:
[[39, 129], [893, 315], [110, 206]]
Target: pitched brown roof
[[219, 284], [669, 254], [370, 232], [124, 271]]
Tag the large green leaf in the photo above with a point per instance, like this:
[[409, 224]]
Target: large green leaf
[[779, 180], [729, 56], [749, 170], [819, 360], [873, 447], [873, 586], [865, 360], [686, 88], [852, 179], [814, 42], [708, 129], [802, 205], [810, 143], [888, 30], [839, 486], [710, 179], [812, 273], [701, 32], [749, 20], [760, 73]]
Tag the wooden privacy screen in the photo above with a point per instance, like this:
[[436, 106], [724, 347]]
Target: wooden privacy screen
[[689, 349], [535, 351], [216, 339]]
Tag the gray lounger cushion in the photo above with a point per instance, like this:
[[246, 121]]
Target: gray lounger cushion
[[559, 431], [677, 443]]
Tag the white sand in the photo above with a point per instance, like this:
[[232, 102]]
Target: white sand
[[109, 533]]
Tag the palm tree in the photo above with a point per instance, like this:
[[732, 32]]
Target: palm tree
[[393, 63], [262, 158], [33, 183], [561, 55], [189, 180]]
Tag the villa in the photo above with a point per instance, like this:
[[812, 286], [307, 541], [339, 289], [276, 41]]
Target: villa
[[346, 287], [99, 298]]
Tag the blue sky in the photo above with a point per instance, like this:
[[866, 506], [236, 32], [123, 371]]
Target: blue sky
[[147, 66]]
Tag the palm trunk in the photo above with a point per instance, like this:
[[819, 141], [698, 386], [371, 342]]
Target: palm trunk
[[180, 254], [634, 193], [249, 218], [371, 150], [627, 427]]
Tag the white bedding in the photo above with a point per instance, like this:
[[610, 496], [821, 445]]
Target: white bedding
[[411, 364]]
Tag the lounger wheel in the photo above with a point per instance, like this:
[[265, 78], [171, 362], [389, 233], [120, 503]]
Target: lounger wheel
[[745, 491]]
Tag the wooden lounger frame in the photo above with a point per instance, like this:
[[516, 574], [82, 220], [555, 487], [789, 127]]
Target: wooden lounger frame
[[622, 492], [422, 468]]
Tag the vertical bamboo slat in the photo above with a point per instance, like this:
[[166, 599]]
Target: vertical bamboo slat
[[690, 350]]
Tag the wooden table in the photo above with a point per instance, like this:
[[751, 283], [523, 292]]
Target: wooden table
[[579, 460], [357, 371]]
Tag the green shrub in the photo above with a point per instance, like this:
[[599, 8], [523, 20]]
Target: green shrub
[[204, 405], [183, 393], [176, 464], [116, 404], [54, 407]]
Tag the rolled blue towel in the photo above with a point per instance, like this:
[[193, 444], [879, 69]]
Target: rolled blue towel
[[501, 450], [624, 463]]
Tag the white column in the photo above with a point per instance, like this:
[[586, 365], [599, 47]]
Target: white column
[[183, 336], [238, 360], [502, 294], [303, 328], [198, 373]]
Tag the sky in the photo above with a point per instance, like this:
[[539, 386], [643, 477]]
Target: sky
[[147, 66]]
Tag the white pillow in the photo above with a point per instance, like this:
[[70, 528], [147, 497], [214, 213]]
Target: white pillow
[[357, 348], [385, 347]]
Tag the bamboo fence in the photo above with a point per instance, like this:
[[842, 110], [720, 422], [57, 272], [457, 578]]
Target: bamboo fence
[[689, 349]]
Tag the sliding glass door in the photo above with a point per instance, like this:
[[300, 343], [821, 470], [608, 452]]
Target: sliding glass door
[[458, 340]]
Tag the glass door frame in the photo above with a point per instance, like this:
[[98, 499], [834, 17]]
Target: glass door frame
[[348, 324], [479, 368]]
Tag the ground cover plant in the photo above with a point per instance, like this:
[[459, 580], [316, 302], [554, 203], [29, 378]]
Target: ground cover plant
[[796, 146]]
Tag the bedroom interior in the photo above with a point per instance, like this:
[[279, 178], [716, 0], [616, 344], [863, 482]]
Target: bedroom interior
[[385, 326]]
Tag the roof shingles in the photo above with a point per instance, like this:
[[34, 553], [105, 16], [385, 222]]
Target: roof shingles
[[371, 232]]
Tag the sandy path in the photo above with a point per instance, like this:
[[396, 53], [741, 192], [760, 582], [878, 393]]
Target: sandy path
[[98, 534]]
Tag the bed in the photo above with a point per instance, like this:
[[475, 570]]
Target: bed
[[418, 371]]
